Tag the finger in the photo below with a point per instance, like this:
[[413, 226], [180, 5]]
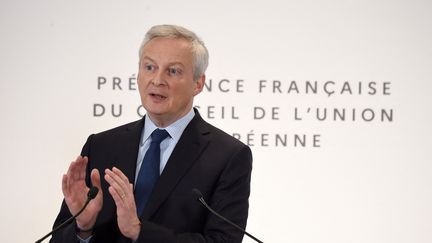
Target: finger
[[131, 186], [70, 169], [131, 190], [123, 185], [75, 169], [96, 180], [122, 176], [127, 187], [69, 177], [109, 177], [83, 167], [65, 186], [117, 198]]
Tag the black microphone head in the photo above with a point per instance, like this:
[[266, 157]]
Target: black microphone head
[[92, 192], [197, 193]]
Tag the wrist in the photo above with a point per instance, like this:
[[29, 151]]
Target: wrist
[[78, 229], [84, 227], [83, 233], [136, 229]]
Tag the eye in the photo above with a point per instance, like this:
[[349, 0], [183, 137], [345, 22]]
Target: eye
[[173, 71], [149, 67]]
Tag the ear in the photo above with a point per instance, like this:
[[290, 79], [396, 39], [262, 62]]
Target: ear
[[199, 84]]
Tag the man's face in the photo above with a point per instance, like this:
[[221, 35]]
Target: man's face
[[165, 79]]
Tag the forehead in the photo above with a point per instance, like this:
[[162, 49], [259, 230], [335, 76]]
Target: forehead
[[163, 49]]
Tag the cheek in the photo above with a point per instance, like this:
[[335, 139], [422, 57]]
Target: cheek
[[141, 83], [186, 92]]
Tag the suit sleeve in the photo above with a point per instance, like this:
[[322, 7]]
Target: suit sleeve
[[230, 199]]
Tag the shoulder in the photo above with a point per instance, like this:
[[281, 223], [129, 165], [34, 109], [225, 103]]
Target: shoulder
[[135, 126], [115, 137], [218, 139], [223, 137]]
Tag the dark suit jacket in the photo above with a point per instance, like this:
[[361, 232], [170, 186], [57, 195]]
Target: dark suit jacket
[[205, 158]]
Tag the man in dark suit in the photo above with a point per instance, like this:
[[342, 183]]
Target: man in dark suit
[[191, 154]]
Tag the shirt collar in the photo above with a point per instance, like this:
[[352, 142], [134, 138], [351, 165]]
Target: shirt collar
[[175, 130]]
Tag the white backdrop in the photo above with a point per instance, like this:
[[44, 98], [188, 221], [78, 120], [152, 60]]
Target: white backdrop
[[364, 179]]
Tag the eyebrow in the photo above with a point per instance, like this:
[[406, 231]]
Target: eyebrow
[[146, 57], [169, 64]]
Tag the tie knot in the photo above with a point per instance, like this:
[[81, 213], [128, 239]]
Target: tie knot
[[158, 135]]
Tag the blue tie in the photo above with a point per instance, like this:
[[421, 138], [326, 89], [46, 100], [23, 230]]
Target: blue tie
[[149, 171]]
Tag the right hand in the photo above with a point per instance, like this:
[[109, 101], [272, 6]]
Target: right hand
[[75, 193]]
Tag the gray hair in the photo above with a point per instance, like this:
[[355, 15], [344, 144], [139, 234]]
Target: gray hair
[[199, 51]]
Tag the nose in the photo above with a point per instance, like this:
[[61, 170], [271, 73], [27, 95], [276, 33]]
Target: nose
[[159, 79]]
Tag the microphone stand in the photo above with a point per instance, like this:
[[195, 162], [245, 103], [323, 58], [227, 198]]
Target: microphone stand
[[203, 202], [90, 195]]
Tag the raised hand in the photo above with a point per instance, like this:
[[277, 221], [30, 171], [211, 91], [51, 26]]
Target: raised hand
[[75, 193], [122, 192]]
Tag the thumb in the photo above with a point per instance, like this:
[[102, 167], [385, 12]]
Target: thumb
[[96, 179]]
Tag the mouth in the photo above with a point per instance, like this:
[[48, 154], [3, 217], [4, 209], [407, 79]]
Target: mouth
[[157, 96]]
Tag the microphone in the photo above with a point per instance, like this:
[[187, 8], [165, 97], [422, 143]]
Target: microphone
[[90, 195], [200, 198]]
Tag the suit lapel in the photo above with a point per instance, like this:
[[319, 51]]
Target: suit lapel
[[192, 142], [129, 145]]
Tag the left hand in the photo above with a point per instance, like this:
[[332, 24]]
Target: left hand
[[122, 192]]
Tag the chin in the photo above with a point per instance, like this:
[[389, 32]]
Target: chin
[[156, 111]]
